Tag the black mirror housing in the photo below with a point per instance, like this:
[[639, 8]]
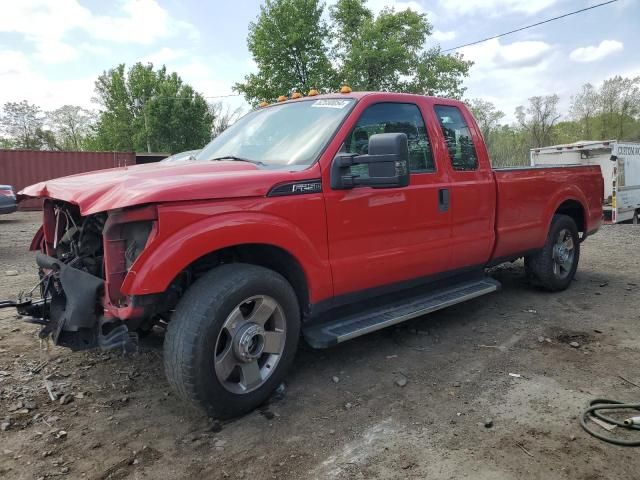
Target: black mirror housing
[[387, 163]]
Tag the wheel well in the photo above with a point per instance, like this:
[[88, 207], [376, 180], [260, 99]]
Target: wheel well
[[267, 256], [573, 209]]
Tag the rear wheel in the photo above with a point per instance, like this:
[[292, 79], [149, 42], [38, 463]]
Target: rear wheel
[[554, 267], [232, 338]]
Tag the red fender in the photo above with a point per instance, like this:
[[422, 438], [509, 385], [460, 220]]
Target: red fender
[[169, 254]]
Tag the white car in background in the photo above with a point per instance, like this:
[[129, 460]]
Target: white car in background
[[182, 156]]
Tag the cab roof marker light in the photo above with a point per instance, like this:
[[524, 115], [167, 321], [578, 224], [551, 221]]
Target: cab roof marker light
[[313, 92], [282, 98], [345, 89]]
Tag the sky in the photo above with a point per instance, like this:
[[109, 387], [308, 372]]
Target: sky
[[52, 51]]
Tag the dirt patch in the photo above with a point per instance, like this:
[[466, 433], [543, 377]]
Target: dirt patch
[[574, 337], [119, 420]]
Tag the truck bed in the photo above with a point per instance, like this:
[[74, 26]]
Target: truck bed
[[521, 223]]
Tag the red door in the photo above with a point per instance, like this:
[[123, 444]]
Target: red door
[[473, 194], [384, 236]]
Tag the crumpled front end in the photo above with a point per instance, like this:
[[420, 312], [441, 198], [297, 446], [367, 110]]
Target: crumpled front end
[[82, 263]]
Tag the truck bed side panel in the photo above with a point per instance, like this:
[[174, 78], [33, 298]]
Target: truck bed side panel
[[529, 197]]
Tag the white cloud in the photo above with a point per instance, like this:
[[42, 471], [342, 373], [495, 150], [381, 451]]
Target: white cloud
[[595, 53], [494, 7], [23, 79], [163, 56], [517, 71], [210, 76], [491, 55], [47, 24], [20, 79], [144, 22], [444, 36]]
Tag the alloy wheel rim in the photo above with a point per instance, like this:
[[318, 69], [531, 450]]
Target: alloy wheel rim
[[250, 344], [564, 253]]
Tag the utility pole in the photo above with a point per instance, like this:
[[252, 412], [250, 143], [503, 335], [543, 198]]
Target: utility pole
[[146, 128], [143, 104]]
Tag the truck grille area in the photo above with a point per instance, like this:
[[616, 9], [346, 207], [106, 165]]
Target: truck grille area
[[75, 240], [83, 261]]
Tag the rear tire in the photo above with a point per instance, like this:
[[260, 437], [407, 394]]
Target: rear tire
[[232, 338], [554, 267]]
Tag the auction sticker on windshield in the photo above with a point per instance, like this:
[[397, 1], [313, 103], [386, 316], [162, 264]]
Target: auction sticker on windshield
[[331, 103]]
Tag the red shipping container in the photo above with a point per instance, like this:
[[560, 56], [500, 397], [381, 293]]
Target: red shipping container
[[22, 168]]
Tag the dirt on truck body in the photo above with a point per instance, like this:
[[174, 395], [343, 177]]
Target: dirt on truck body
[[329, 216]]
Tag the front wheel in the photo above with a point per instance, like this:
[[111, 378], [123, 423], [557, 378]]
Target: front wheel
[[554, 267], [232, 339]]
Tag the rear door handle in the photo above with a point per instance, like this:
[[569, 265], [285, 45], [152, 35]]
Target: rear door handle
[[443, 199]]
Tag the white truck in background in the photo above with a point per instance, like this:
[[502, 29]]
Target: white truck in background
[[620, 166]]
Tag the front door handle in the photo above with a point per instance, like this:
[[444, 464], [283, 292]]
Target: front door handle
[[443, 199]]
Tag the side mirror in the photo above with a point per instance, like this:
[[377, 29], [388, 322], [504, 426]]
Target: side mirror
[[385, 166]]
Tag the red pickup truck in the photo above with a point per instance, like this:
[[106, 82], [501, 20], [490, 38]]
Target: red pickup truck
[[331, 216]]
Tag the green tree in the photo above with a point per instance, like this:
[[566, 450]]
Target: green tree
[[6, 143], [507, 145], [71, 126], [386, 52], [295, 49], [619, 106], [22, 123], [288, 42], [149, 110], [487, 116], [583, 109], [538, 119], [223, 117]]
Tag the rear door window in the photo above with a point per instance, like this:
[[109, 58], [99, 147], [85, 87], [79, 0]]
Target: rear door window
[[457, 136]]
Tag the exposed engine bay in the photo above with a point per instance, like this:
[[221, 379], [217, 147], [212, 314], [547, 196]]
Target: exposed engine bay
[[83, 263], [78, 241], [74, 277]]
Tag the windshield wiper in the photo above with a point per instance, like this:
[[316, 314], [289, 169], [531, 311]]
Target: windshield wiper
[[240, 159]]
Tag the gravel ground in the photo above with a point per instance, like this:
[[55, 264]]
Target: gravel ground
[[406, 402]]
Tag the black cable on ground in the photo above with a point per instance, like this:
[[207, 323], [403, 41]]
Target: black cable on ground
[[605, 404]]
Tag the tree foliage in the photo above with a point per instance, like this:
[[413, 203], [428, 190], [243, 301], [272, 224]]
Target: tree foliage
[[386, 52], [146, 109], [288, 42], [487, 116], [223, 117], [295, 49], [71, 126], [538, 119], [22, 122], [611, 111], [584, 107]]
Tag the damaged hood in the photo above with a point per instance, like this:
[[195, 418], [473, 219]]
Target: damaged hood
[[114, 188]]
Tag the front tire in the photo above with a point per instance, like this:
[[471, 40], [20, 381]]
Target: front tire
[[554, 267], [232, 339]]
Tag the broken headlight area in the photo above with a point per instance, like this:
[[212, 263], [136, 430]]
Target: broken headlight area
[[82, 264]]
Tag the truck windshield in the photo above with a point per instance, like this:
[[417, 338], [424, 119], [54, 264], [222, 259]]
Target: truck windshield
[[281, 135]]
